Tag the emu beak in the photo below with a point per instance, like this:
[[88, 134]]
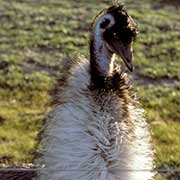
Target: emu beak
[[125, 52]]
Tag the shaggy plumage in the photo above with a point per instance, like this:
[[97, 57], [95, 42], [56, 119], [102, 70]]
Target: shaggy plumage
[[96, 132]]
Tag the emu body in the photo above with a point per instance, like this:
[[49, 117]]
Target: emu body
[[96, 132]]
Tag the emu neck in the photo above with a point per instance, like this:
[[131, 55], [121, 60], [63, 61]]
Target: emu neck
[[101, 59]]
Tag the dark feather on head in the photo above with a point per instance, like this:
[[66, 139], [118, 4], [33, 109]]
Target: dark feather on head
[[124, 29]]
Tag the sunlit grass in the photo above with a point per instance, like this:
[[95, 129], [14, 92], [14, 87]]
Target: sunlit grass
[[162, 111]]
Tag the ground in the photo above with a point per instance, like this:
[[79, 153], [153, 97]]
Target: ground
[[37, 36]]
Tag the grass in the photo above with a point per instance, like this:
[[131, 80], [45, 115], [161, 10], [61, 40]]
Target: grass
[[163, 114], [36, 36]]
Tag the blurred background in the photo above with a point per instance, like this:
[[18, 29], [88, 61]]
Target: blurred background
[[36, 36]]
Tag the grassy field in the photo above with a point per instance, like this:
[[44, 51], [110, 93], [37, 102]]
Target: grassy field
[[36, 36]]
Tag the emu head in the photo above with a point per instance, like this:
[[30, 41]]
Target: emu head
[[118, 31]]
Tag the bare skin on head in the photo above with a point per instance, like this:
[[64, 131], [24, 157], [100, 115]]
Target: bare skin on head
[[113, 33]]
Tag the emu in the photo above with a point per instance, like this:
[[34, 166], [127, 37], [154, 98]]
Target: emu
[[97, 132]]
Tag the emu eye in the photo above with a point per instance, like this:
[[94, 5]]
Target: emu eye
[[115, 36]]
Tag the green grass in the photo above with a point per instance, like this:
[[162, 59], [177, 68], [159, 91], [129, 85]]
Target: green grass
[[36, 36], [163, 113]]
